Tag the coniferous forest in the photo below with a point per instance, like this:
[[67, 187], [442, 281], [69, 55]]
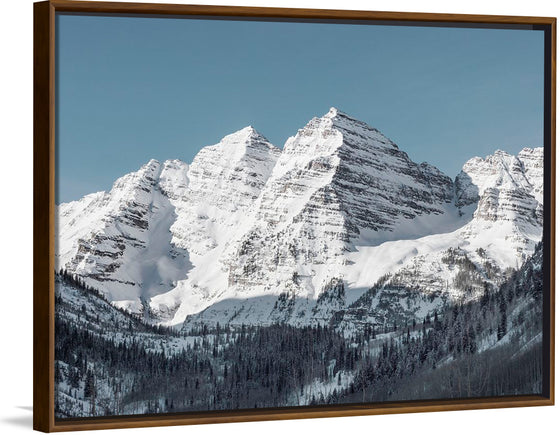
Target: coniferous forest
[[110, 362]]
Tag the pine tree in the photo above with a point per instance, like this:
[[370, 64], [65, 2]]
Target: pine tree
[[89, 387]]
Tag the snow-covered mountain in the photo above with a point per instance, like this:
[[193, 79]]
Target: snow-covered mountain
[[225, 181], [251, 234], [338, 183], [120, 240], [150, 230], [501, 233]]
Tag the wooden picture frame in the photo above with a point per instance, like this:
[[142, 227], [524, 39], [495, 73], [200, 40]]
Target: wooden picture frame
[[44, 214]]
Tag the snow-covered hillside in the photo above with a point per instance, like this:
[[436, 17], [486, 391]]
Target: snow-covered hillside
[[155, 225], [120, 241], [249, 233]]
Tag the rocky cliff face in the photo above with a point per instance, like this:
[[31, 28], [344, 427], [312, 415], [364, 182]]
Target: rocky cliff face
[[251, 234], [504, 186]]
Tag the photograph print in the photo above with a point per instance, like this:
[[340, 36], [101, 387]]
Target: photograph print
[[257, 214]]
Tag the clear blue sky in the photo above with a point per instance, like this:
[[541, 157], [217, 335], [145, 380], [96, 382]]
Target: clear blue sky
[[132, 89]]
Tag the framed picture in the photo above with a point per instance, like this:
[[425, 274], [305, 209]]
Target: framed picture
[[250, 214]]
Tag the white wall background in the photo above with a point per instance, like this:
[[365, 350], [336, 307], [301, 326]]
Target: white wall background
[[16, 242]]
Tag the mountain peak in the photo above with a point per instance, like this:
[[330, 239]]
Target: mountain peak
[[249, 131], [140, 179], [501, 153], [247, 137], [336, 114], [502, 184], [333, 112], [152, 164], [528, 151], [175, 163]]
